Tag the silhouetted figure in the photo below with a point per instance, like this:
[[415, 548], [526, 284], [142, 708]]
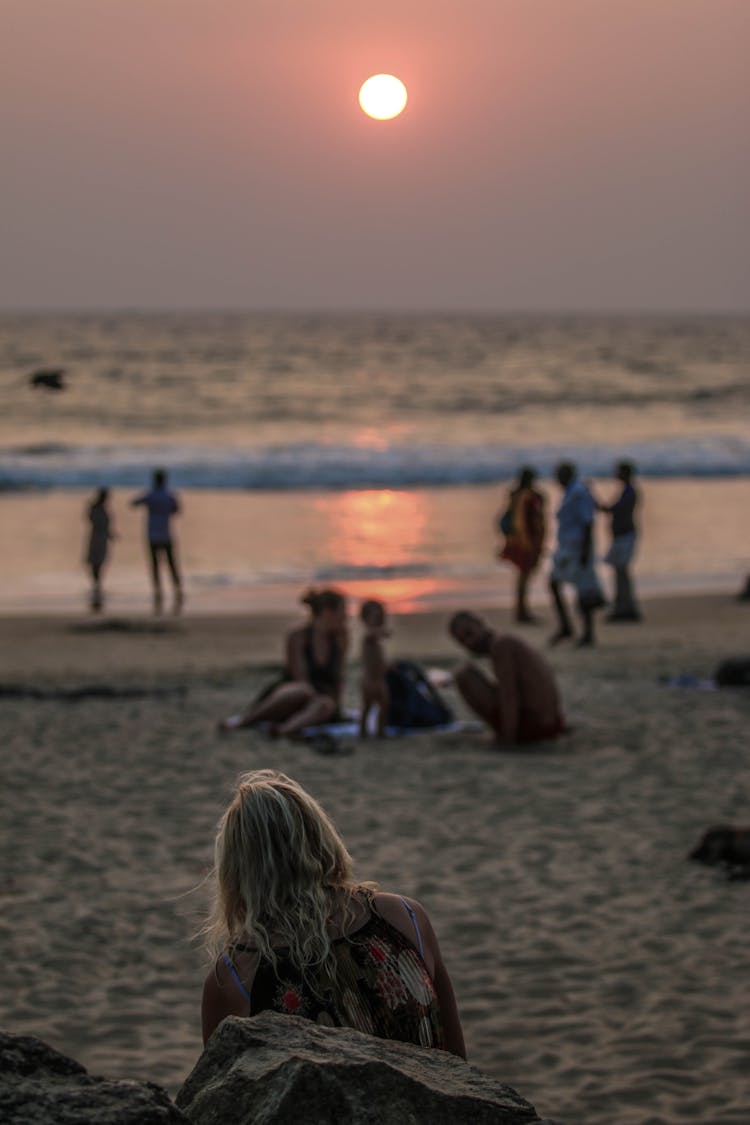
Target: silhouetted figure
[[523, 525], [99, 538], [522, 703], [621, 551], [309, 693], [573, 561], [744, 594], [161, 505], [51, 380]]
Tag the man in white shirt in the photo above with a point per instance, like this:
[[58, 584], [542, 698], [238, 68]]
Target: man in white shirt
[[161, 505], [573, 560]]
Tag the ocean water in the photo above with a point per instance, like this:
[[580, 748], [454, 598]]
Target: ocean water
[[370, 423]]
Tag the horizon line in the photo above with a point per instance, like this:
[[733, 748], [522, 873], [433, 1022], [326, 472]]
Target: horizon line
[[369, 310]]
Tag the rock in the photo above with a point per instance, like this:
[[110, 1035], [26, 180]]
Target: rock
[[275, 1069], [39, 1086]]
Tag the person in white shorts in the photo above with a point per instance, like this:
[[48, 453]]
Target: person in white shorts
[[573, 560]]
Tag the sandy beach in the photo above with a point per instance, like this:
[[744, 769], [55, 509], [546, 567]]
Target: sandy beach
[[596, 970]]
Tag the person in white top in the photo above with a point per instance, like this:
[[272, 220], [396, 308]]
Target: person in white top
[[161, 505], [573, 560]]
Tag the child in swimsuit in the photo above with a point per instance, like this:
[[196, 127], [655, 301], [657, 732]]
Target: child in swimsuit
[[374, 667]]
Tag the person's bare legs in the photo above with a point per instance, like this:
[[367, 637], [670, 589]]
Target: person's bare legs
[[479, 693], [524, 616], [176, 583], [586, 638], [155, 578], [96, 593], [522, 611], [319, 709], [374, 697], [565, 629], [282, 702]]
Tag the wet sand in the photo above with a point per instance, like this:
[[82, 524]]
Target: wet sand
[[596, 970]]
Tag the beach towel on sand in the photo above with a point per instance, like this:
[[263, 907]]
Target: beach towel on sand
[[349, 728]]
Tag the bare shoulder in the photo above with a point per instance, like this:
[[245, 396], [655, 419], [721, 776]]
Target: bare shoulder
[[221, 978], [396, 910]]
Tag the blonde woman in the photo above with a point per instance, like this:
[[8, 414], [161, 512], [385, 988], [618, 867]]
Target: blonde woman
[[292, 932]]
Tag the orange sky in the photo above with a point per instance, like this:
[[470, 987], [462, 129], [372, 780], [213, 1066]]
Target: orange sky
[[211, 153]]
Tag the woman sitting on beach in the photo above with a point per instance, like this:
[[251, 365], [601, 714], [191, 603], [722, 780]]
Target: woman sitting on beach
[[310, 691], [292, 932]]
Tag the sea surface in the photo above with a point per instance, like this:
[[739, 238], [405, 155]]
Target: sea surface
[[377, 425]]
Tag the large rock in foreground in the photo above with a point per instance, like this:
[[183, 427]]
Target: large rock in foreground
[[39, 1086], [283, 1069]]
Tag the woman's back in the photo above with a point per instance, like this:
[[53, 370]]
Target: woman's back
[[382, 986], [291, 931]]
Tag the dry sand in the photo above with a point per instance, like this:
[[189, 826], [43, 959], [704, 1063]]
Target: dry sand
[[596, 970]]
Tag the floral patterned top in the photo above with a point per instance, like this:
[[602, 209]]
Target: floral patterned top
[[382, 987]]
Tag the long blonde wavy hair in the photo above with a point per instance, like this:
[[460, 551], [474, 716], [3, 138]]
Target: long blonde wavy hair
[[280, 867]]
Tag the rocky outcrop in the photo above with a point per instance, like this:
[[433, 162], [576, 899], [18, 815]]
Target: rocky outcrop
[[39, 1086], [269, 1070], [283, 1069]]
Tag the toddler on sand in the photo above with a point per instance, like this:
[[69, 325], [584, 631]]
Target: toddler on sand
[[374, 666]]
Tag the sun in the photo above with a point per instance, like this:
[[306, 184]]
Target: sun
[[382, 96]]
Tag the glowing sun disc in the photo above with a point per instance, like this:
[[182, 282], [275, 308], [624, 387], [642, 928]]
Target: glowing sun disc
[[382, 96]]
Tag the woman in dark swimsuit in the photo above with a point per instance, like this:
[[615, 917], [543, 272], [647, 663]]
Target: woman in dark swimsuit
[[292, 932], [310, 691]]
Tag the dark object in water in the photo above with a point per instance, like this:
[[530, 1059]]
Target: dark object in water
[[51, 378], [734, 672], [727, 847]]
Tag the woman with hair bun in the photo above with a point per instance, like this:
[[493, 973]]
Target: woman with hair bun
[[310, 690], [291, 931]]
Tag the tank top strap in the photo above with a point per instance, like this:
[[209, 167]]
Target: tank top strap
[[236, 977], [370, 896], [415, 923]]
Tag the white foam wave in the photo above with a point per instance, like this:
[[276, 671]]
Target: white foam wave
[[336, 467]]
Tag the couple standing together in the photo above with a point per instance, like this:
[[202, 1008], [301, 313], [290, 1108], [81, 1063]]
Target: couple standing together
[[523, 525]]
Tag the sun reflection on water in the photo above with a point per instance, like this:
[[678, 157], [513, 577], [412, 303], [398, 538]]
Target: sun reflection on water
[[376, 535]]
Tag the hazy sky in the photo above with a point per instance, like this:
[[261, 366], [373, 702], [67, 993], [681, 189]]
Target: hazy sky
[[554, 154]]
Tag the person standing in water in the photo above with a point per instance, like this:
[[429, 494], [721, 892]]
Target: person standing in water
[[624, 535], [100, 534], [161, 505]]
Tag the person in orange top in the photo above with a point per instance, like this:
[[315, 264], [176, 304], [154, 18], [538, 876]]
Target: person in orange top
[[523, 525]]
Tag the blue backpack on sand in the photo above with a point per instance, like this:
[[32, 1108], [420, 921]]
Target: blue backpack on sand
[[414, 702]]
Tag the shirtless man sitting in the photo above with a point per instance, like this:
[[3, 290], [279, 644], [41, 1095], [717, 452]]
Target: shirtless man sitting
[[522, 704]]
